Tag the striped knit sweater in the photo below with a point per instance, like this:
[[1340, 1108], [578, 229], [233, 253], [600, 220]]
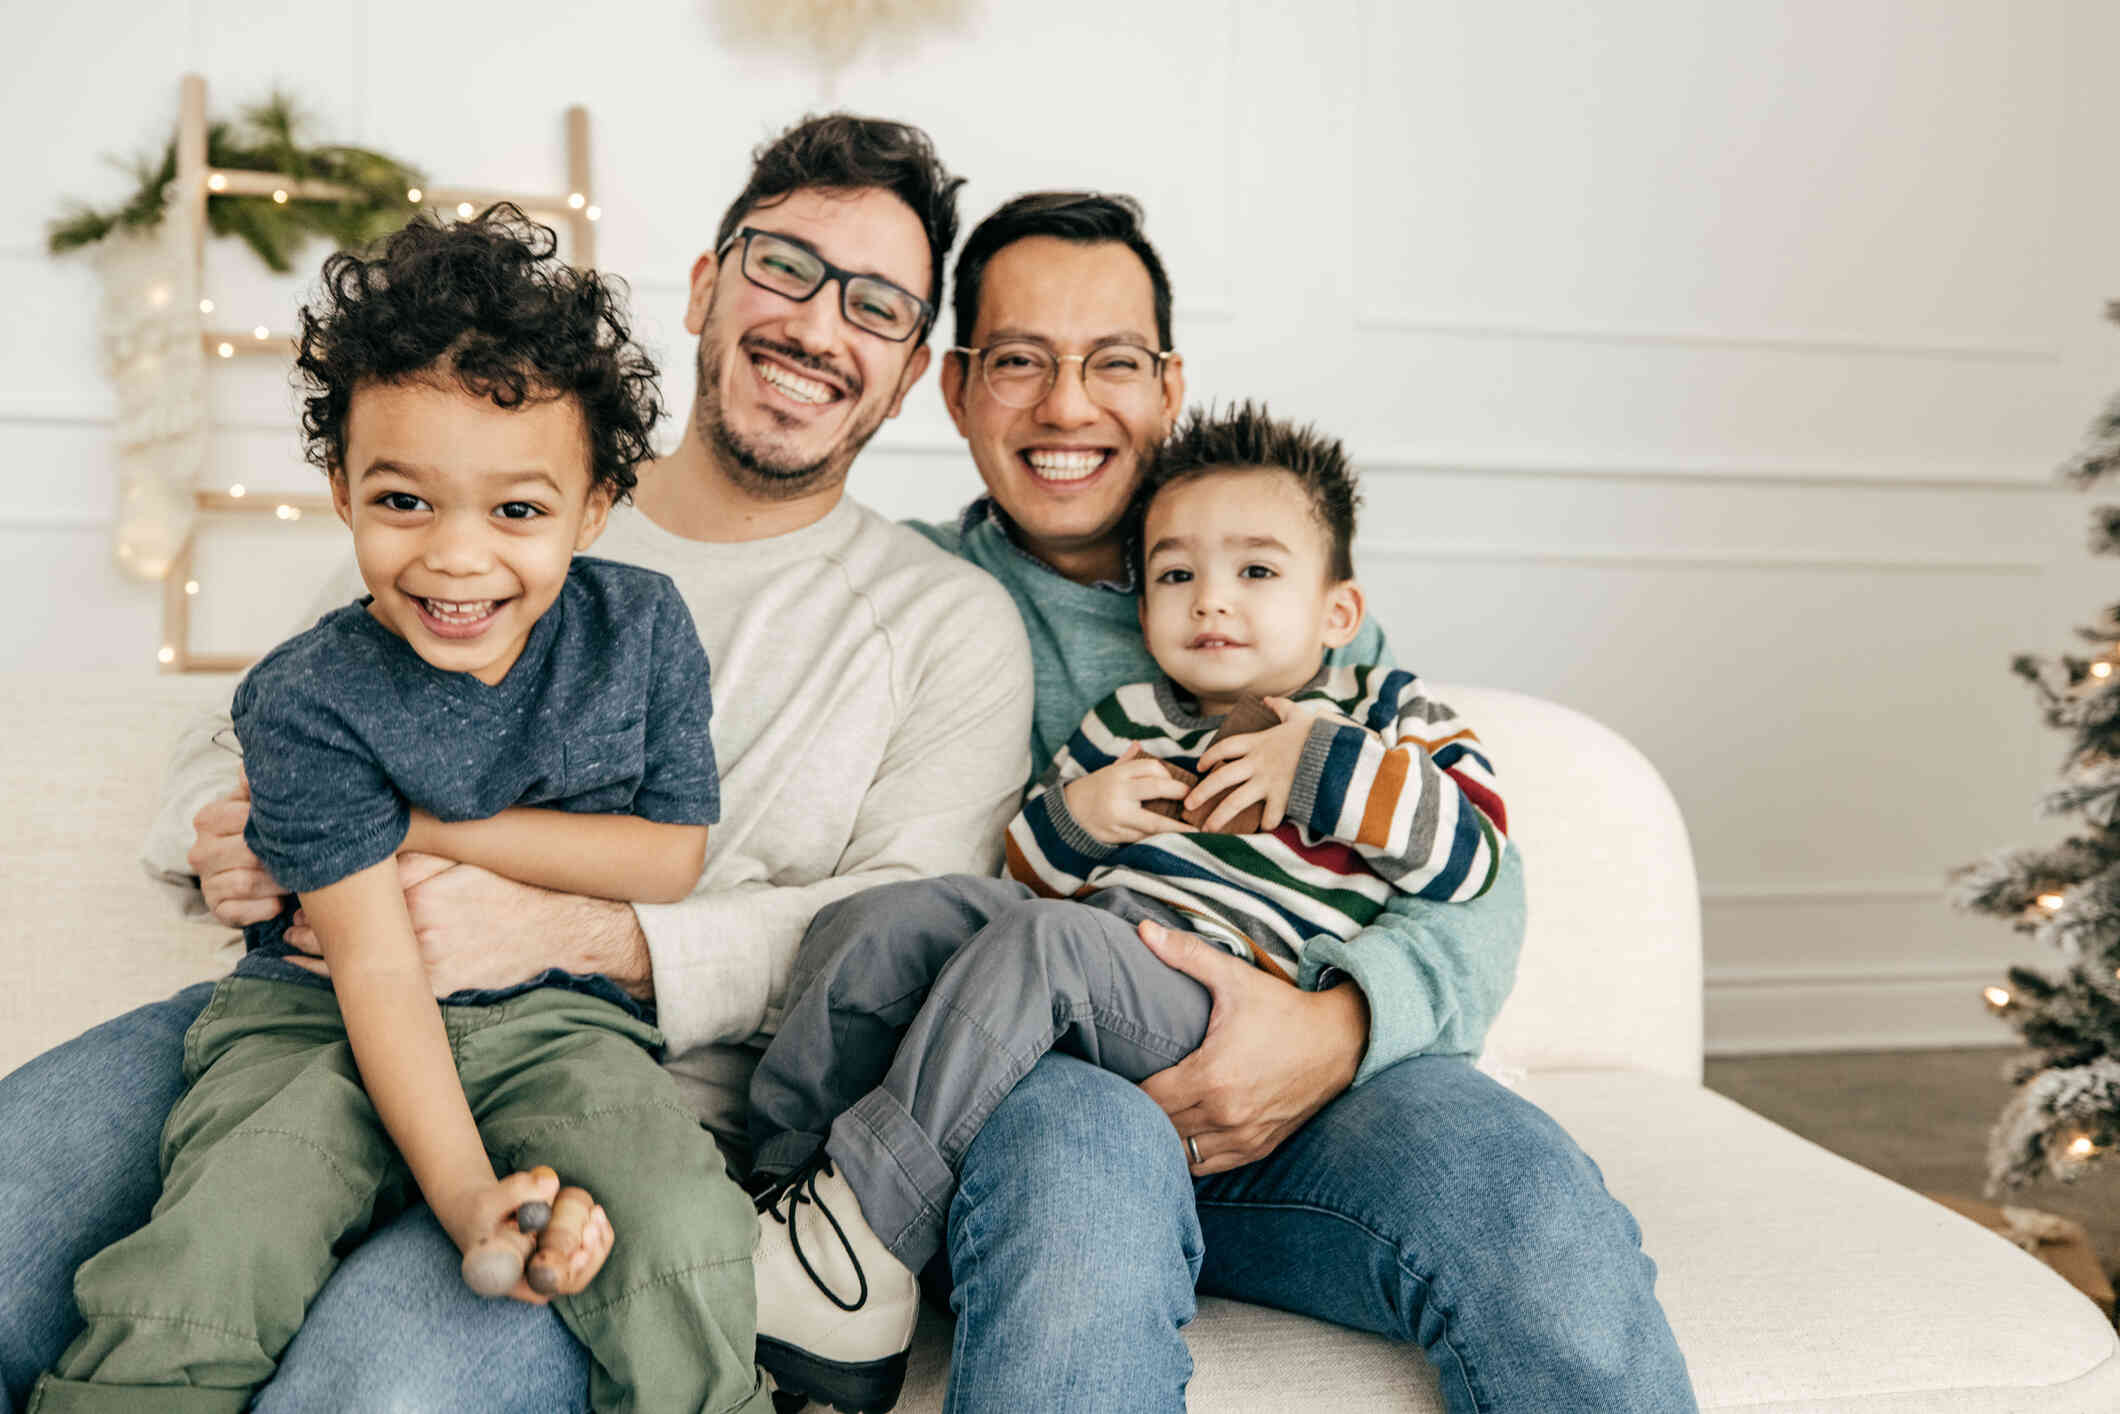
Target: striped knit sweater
[[1393, 793]]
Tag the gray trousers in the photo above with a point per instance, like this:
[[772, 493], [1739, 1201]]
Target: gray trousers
[[915, 1008]]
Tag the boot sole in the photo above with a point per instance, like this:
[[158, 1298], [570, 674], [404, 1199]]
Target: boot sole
[[869, 1387]]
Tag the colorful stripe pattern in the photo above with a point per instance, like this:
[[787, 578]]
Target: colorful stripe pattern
[[1393, 793]]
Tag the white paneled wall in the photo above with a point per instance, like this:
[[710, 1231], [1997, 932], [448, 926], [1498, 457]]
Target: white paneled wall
[[1706, 363]]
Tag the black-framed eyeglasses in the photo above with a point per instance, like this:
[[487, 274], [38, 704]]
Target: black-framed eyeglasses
[[1021, 373], [792, 270]]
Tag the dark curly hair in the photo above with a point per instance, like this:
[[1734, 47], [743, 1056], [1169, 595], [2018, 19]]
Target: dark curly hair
[[843, 152], [488, 303], [1247, 438]]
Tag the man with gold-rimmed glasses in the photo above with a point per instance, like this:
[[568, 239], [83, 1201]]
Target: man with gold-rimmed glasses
[[1329, 1149]]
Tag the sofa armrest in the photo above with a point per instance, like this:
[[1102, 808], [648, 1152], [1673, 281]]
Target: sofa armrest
[[1611, 970]]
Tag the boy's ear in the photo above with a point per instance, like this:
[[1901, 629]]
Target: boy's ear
[[1343, 613], [594, 514], [341, 495]]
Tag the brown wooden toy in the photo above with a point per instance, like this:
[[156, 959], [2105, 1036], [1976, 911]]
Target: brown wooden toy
[[1250, 714], [570, 1215], [494, 1266]]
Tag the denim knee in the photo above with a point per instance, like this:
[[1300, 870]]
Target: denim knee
[[81, 1168], [396, 1329], [1085, 1159], [1583, 1311]]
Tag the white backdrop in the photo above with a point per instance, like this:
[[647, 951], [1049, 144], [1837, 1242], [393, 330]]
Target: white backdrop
[[1706, 362]]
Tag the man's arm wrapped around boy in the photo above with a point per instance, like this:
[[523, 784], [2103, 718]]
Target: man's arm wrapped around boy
[[1406, 784], [1435, 975]]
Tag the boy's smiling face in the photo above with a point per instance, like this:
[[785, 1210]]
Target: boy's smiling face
[[464, 515], [1237, 596]]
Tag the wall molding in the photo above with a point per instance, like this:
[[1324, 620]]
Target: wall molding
[[1626, 558], [1962, 348], [1855, 1011], [1842, 890], [39, 521], [1743, 978], [1710, 471], [1382, 461]]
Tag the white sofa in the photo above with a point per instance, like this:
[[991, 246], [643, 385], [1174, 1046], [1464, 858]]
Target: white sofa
[[1795, 1280]]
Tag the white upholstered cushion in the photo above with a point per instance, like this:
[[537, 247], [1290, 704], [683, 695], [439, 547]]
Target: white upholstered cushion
[[1610, 974]]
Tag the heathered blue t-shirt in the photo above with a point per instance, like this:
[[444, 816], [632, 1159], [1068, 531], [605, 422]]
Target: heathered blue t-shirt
[[344, 728]]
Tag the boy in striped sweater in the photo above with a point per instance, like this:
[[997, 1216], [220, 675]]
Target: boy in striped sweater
[[1362, 784], [897, 1046]]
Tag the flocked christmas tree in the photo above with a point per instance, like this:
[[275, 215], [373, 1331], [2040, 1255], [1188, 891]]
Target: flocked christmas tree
[[2065, 1111]]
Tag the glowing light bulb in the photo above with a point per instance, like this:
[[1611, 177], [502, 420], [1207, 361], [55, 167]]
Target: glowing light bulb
[[2050, 902], [287, 512], [576, 200], [413, 194], [205, 306], [236, 491], [463, 209], [217, 182], [594, 213], [280, 197], [2081, 1147], [166, 654], [225, 350], [191, 586], [2101, 670], [1996, 997]]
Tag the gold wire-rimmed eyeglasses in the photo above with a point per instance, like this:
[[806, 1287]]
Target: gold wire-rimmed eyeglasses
[[1021, 373]]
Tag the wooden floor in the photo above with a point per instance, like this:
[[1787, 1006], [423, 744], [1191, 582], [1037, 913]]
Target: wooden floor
[[1920, 1118]]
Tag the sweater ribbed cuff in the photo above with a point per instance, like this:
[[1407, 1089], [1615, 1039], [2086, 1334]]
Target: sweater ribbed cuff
[[1303, 802], [1069, 829]]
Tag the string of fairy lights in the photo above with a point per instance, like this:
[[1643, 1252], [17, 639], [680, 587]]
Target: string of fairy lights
[[1999, 999], [181, 583]]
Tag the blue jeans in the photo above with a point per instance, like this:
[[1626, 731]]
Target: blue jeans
[[394, 1328], [1430, 1205]]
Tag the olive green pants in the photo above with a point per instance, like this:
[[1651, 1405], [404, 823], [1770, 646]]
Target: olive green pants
[[274, 1165]]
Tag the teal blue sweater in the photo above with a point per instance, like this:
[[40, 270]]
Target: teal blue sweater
[[1434, 974]]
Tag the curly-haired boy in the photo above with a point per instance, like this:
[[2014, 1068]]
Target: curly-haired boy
[[494, 700]]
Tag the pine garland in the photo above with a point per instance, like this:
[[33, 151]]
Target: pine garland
[[269, 138], [2064, 1114]]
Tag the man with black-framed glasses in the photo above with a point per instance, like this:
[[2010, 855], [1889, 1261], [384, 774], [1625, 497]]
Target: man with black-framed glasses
[[872, 710]]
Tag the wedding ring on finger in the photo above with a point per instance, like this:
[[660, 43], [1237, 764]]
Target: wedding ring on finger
[[1192, 1146]]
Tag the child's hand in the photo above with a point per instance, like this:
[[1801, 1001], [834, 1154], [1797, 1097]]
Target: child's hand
[[526, 1238], [1108, 802], [1257, 768]]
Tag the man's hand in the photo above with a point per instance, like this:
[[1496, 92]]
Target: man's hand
[[1108, 802], [1273, 1056], [238, 888], [478, 930], [1255, 768]]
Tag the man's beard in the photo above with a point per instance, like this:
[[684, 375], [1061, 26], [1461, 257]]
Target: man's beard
[[758, 469]]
